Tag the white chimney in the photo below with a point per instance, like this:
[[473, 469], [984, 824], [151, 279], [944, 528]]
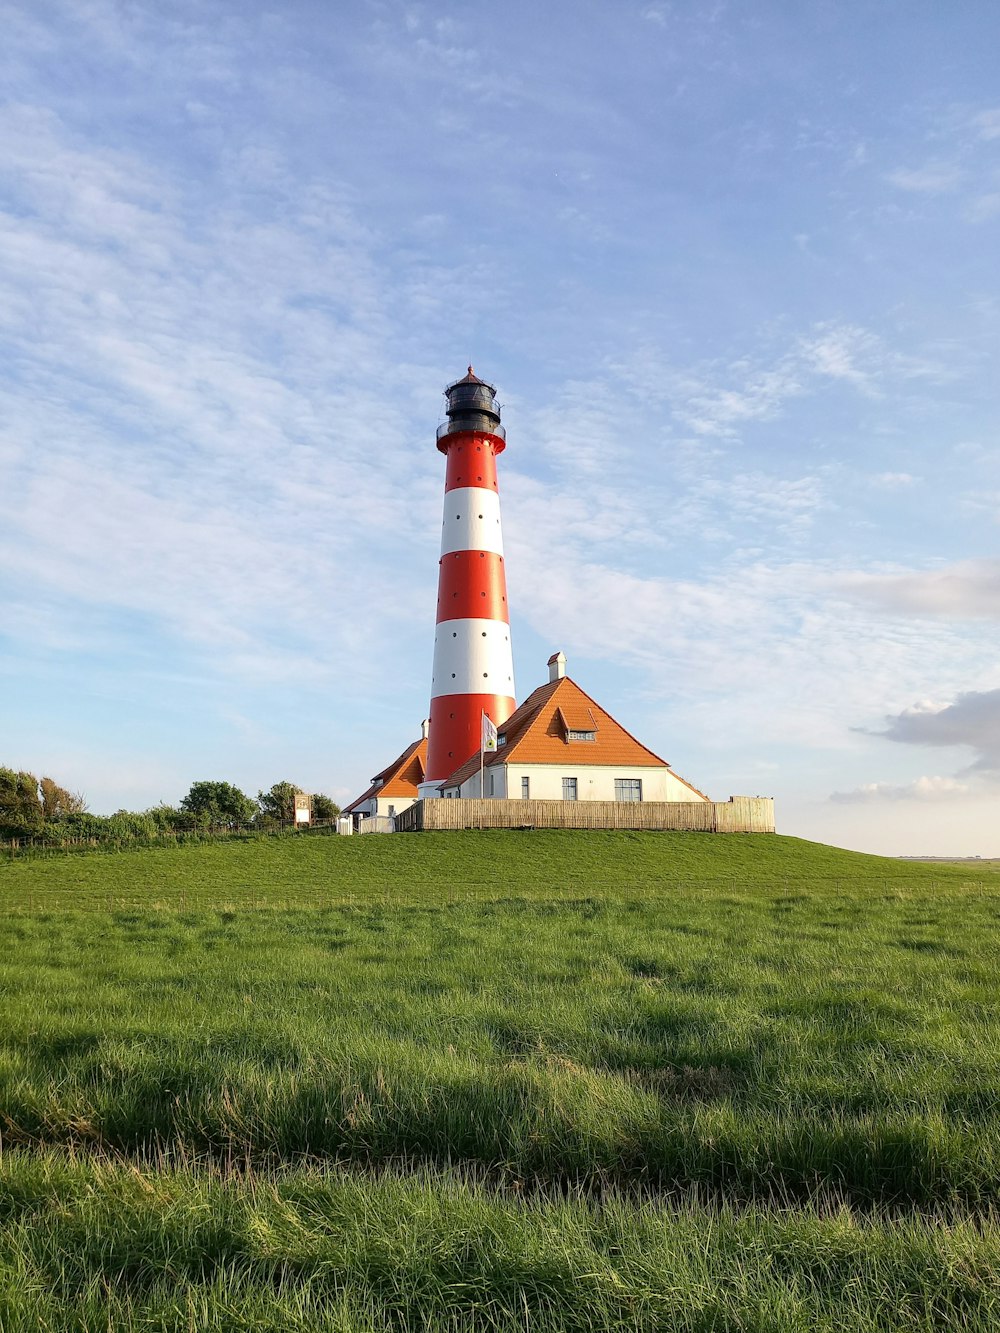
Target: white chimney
[[557, 666], [425, 728]]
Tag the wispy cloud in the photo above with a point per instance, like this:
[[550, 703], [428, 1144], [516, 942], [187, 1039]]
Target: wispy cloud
[[895, 480], [965, 167], [983, 503], [708, 410], [921, 789], [987, 123], [844, 352], [743, 503], [163, 442], [984, 208], [719, 399], [656, 14], [932, 178], [969, 589]]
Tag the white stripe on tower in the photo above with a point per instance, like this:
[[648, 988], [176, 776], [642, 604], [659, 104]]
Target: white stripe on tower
[[471, 521], [472, 657]]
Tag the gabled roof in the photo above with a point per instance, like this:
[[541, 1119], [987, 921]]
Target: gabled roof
[[536, 734], [400, 778]]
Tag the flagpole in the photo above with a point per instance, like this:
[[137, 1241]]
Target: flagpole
[[482, 761]]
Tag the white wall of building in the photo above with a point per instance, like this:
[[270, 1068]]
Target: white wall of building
[[593, 782], [380, 805], [494, 784]]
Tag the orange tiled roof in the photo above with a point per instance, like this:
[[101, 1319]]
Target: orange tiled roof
[[536, 734], [400, 778]]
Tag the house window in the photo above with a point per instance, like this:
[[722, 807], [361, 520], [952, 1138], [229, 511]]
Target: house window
[[569, 789], [525, 789], [392, 811], [491, 785], [628, 789], [572, 735]]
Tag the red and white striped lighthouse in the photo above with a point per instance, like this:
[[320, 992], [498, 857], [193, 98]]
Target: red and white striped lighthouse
[[473, 669]]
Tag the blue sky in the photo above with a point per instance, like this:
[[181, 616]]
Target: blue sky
[[734, 269]]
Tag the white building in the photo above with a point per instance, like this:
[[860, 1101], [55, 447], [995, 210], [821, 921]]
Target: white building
[[562, 745]]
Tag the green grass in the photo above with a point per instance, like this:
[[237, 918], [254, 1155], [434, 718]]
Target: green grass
[[93, 1245], [310, 870], [499, 1080]]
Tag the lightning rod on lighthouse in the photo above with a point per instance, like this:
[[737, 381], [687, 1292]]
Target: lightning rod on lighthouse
[[473, 671]]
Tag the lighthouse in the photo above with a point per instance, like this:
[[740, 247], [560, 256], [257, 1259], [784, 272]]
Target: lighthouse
[[473, 671]]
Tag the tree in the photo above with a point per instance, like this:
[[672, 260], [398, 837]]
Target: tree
[[219, 803], [324, 807], [279, 802], [171, 819], [20, 806], [57, 802]]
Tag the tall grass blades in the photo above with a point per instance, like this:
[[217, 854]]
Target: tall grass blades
[[594, 1081]]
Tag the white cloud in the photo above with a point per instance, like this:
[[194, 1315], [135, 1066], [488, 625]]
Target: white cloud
[[843, 352], [986, 503], [752, 653], [965, 169], [895, 480], [933, 178], [710, 411], [738, 504], [921, 789], [709, 399], [720, 399], [987, 123], [575, 429], [985, 208], [972, 721], [969, 589]]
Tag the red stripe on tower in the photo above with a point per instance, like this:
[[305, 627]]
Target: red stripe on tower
[[473, 669]]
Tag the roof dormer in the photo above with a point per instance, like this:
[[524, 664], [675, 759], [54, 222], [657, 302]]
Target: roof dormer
[[577, 721]]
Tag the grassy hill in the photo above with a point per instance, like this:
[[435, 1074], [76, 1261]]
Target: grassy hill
[[312, 871], [499, 1080]]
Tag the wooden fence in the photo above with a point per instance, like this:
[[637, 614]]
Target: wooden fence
[[740, 814]]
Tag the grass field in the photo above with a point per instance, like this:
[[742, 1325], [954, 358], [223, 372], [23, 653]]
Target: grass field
[[499, 1081]]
